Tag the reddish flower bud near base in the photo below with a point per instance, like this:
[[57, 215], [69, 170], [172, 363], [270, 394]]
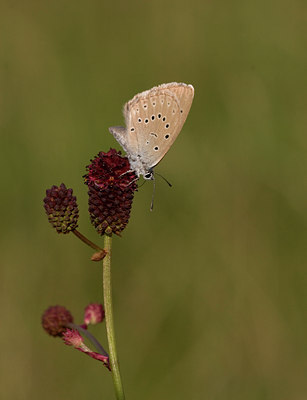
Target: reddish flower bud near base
[[56, 319], [93, 314], [61, 208], [73, 338], [111, 189]]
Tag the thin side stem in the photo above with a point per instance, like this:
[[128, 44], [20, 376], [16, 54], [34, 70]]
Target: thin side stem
[[86, 240], [90, 337], [108, 307]]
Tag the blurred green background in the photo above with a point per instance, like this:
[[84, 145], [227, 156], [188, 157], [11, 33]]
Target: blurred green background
[[210, 289]]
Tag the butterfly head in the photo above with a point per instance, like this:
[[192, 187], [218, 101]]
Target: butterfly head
[[149, 175]]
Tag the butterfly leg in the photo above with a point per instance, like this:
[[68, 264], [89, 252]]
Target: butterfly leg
[[130, 183], [127, 172]]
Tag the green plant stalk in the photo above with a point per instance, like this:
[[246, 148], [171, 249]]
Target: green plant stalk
[[108, 307]]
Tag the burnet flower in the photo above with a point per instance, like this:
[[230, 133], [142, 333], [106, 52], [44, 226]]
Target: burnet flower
[[62, 209], [57, 321], [111, 186]]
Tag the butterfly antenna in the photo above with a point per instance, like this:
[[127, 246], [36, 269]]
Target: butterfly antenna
[[153, 193], [169, 184]]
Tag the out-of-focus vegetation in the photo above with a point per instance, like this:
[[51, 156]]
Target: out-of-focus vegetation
[[210, 289]]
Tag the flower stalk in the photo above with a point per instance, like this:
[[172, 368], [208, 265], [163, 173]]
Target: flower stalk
[[90, 337], [108, 306], [86, 240]]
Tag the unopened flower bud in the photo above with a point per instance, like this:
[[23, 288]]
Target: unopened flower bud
[[93, 314], [72, 337], [56, 319]]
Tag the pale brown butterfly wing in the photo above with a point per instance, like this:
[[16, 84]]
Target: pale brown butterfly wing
[[185, 95], [153, 125], [154, 119]]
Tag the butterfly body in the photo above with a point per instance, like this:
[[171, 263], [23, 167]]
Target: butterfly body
[[154, 119]]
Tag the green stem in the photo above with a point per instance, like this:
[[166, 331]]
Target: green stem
[[108, 307]]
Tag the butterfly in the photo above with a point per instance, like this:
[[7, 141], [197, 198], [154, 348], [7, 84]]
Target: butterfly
[[153, 119]]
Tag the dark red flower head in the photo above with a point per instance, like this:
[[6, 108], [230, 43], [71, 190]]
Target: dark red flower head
[[61, 208], [56, 319], [111, 190]]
